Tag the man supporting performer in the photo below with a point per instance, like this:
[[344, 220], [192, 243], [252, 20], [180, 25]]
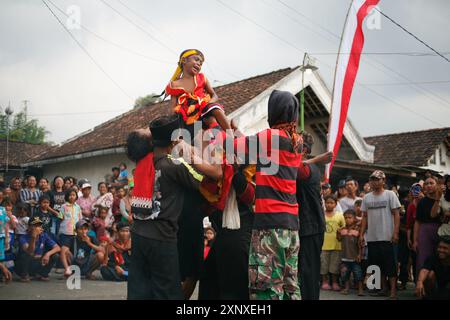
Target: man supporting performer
[[158, 197]]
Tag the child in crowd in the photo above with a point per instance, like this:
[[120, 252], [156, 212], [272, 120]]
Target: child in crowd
[[115, 209], [23, 216], [364, 253], [44, 214], [119, 255], [99, 223], [331, 249], [351, 253], [210, 234], [123, 175], [191, 92], [70, 214], [85, 251], [4, 233]]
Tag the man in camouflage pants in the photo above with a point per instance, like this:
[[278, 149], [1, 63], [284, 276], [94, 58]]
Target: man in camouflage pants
[[273, 265]]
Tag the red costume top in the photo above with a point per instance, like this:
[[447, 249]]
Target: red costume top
[[190, 104]]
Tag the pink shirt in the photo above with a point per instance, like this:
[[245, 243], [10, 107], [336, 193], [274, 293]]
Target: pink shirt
[[86, 205]]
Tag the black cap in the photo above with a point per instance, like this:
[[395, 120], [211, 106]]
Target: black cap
[[341, 184], [162, 129]]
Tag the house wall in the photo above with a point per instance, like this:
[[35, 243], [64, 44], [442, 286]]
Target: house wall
[[440, 154], [95, 169]]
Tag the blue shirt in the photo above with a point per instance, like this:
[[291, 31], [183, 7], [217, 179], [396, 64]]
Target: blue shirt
[[3, 220], [43, 244]]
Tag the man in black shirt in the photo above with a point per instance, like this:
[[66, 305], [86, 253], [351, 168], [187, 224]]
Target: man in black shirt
[[434, 277], [312, 221], [154, 269]]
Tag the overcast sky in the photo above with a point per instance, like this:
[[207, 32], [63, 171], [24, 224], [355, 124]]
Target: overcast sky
[[67, 92]]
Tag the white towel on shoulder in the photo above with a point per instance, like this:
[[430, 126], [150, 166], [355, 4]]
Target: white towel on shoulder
[[231, 219]]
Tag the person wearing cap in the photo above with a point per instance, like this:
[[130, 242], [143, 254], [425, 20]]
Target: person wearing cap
[[38, 253], [85, 251], [160, 188], [86, 200], [119, 255], [381, 220]]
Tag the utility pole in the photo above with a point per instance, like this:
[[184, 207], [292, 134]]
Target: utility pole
[[8, 111]]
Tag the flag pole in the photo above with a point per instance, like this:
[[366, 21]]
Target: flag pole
[[327, 166]]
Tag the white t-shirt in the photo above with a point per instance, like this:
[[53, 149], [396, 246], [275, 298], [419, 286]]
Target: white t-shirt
[[22, 225], [380, 220], [348, 203]]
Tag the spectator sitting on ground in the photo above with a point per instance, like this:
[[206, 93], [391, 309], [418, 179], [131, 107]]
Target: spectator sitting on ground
[[38, 253], [119, 255], [85, 252], [434, 277]]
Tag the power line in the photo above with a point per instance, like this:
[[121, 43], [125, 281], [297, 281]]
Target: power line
[[406, 83], [143, 19], [411, 54], [427, 92], [76, 113], [370, 89], [87, 52], [260, 26], [139, 27], [412, 35], [111, 42]]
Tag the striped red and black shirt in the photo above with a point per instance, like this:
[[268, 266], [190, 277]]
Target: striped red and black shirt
[[276, 174]]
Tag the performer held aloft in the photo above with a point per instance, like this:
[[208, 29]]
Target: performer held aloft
[[191, 91], [275, 243], [158, 197]]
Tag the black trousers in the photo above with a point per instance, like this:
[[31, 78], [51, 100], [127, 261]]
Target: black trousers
[[27, 265], [190, 237], [309, 266], [154, 270], [225, 275]]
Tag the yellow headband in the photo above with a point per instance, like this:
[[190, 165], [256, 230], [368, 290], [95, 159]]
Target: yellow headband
[[179, 70]]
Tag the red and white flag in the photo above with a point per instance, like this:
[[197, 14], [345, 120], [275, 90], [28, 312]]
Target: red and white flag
[[352, 43]]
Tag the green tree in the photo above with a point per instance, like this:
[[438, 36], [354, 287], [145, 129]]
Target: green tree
[[22, 129], [147, 100]]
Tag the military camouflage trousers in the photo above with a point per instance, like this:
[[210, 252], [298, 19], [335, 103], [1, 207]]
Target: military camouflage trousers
[[273, 265]]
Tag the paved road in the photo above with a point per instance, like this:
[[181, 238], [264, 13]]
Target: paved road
[[56, 289]]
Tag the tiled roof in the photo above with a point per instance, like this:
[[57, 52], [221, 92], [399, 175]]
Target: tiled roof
[[408, 148], [113, 133], [20, 152]]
